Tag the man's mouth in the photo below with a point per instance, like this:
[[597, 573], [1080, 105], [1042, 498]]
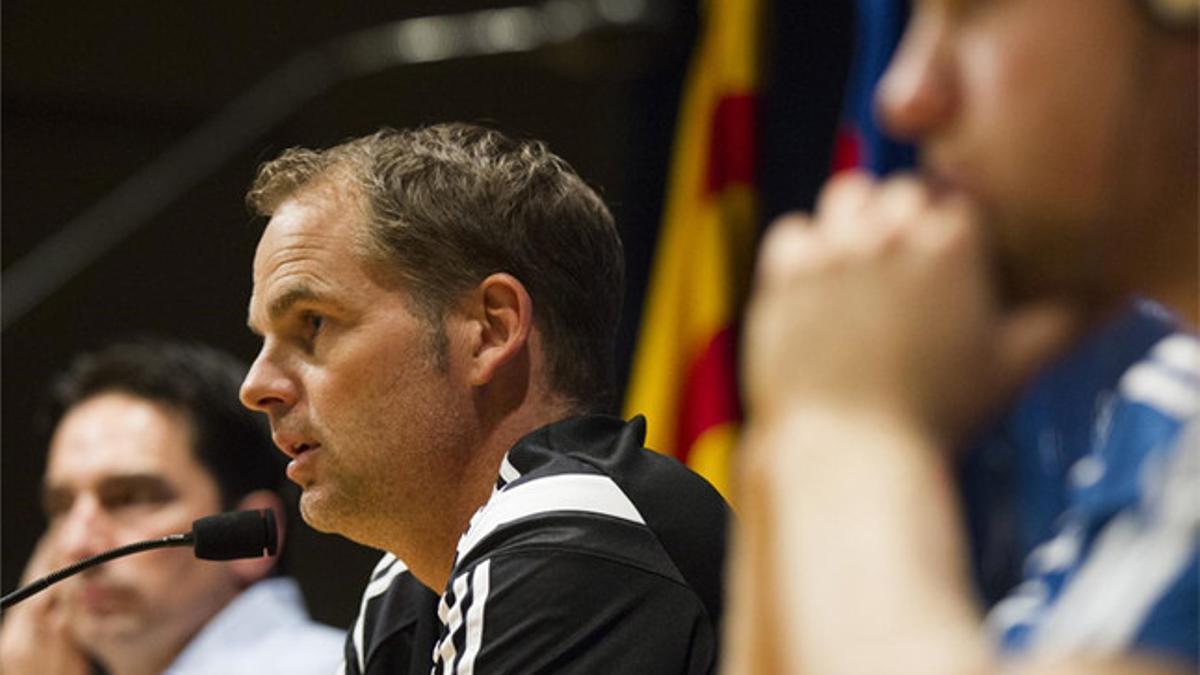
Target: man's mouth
[[301, 448], [292, 444], [947, 177], [101, 598], [301, 470], [943, 183]]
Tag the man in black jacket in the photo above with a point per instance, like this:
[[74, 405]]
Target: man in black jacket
[[438, 309]]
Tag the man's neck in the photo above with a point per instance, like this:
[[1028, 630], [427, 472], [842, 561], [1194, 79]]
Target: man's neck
[[1184, 300], [476, 486], [1174, 268]]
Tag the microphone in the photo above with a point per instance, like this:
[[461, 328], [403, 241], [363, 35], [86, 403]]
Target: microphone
[[224, 536], [238, 534]]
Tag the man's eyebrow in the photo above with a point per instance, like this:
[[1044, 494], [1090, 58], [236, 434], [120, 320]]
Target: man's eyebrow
[[136, 479], [283, 302], [48, 490], [153, 481]]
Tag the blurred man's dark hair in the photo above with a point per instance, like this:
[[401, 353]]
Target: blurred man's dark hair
[[200, 382]]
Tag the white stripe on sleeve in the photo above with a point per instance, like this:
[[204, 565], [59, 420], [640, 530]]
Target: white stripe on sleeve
[[1180, 352], [1134, 562], [1153, 385]]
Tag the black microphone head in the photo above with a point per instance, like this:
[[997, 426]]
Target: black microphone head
[[239, 534]]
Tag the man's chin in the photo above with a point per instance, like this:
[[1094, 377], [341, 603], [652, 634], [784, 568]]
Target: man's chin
[[98, 633], [316, 510], [1038, 278], [1036, 260]]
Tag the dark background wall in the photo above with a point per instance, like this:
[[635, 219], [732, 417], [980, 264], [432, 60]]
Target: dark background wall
[[92, 92]]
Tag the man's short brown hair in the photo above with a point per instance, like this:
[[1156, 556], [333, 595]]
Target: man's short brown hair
[[449, 204]]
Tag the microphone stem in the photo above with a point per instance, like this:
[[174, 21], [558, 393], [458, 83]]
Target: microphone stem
[[57, 576]]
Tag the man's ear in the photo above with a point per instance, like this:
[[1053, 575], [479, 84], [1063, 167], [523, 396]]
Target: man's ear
[[250, 570], [502, 317]]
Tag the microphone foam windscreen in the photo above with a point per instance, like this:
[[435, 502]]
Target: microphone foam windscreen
[[240, 534]]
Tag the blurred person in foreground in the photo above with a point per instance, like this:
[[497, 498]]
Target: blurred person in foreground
[[1058, 179], [438, 309], [145, 438]]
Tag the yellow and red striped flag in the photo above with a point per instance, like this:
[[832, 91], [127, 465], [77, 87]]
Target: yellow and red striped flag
[[683, 377]]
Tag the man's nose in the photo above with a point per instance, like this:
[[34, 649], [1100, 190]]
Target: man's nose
[[918, 92], [268, 387]]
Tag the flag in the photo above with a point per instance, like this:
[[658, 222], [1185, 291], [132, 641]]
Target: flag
[[683, 373]]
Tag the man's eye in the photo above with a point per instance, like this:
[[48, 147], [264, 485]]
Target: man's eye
[[135, 494], [312, 324], [56, 504]]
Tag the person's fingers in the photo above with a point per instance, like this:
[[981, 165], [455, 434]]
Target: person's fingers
[[950, 223], [865, 216], [41, 561], [901, 199], [789, 244], [844, 198]]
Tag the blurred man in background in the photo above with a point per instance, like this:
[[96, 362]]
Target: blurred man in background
[[1059, 178], [147, 437], [438, 309]]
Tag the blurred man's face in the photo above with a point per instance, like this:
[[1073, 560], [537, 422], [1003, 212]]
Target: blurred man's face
[[349, 377], [1052, 114], [121, 470]]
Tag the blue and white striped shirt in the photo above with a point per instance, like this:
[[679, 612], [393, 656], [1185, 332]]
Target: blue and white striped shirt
[[1095, 486]]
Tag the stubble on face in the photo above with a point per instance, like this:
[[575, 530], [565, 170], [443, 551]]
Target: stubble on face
[[399, 461], [392, 422], [390, 453]]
